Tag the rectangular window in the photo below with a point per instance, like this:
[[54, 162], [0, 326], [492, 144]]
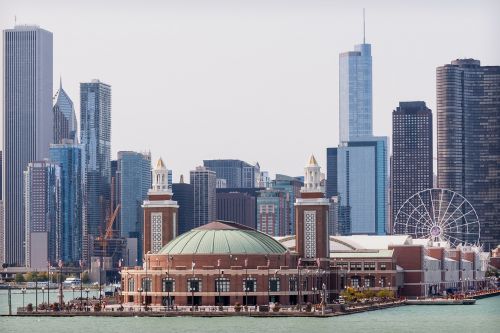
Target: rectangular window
[[250, 285], [355, 266], [383, 266], [146, 284], [274, 284], [292, 284], [168, 285], [222, 285], [369, 266], [194, 285], [131, 283]]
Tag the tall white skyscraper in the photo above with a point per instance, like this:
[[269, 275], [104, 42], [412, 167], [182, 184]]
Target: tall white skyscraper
[[27, 123]]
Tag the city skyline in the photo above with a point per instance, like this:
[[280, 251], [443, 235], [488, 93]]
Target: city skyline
[[286, 64]]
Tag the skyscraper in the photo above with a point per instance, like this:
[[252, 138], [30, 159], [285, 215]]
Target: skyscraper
[[183, 194], [42, 198], [204, 203], [236, 207], [412, 167], [468, 139], [95, 136], [68, 157], [236, 173], [291, 186], [273, 212], [362, 186], [65, 125], [27, 107], [134, 178], [355, 93]]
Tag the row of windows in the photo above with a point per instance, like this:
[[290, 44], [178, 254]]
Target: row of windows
[[221, 284], [358, 266]]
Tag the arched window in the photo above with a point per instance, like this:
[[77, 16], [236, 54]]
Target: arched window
[[274, 284], [222, 285], [194, 285], [146, 284], [168, 285], [250, 284]]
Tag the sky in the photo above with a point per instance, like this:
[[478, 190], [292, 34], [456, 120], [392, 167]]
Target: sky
[[251, 80]]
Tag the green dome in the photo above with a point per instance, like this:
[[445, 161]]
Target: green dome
[[221, 237]]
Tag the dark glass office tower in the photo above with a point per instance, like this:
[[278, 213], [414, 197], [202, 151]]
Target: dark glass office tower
[[183, 194], [412, 169], [468, 139], [95, 133]]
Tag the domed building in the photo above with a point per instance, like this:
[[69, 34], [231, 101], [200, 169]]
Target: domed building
[[218, 263], [224, 263]]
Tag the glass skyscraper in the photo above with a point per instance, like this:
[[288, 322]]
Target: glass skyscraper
[[42, 204], [95, 136], [205, 200], [134, 177], [468, 139], [27, 123], [65, 125], [362, 186], [236, 173], [73, 229], [292, 187], [355, 93], [183, 194]]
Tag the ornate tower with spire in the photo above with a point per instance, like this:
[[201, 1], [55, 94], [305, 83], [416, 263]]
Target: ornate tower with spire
[[160, 212], [311, 215]]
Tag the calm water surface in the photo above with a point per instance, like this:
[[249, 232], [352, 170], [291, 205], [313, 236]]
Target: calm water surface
[[482, 317]]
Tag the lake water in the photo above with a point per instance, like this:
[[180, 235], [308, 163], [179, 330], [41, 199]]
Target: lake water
[[484, 316]]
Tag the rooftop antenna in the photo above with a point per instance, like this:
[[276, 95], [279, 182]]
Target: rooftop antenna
[[363, 26]]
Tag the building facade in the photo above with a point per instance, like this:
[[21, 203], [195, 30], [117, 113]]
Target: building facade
[[311, 214], [133, 178], [160, 212], [361, 182], [236, 173], [237, 207], [468, 140], [355, 93], [273, 212], [291, 186], [27, 108], [95, 136], [412, 163], [73, 227], [65, 124], [184, 196], [43, 208], [203, 181]]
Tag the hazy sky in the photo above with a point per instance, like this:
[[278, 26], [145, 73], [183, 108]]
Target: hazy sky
[[253, 80]]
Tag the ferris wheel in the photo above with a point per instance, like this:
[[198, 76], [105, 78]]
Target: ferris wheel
[[440, 215]]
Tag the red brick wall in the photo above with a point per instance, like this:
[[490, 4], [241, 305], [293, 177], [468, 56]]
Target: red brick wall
[[167, 215], [322, 242]]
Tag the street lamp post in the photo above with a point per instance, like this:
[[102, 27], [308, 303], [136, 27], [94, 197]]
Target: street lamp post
[[81, 284], [168, 276], [299, 294], [218, 282], [36, 292], [73, 288], [23, 291], [268, 291], [140, 299], [87, 290], [43, 296], [246, 282]]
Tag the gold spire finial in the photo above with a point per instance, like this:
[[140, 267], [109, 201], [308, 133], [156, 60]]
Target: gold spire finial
[[160, 164], [312, 160]]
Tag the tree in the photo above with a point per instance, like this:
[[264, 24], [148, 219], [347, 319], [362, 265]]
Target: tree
[[19, 278], [85, 277]]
